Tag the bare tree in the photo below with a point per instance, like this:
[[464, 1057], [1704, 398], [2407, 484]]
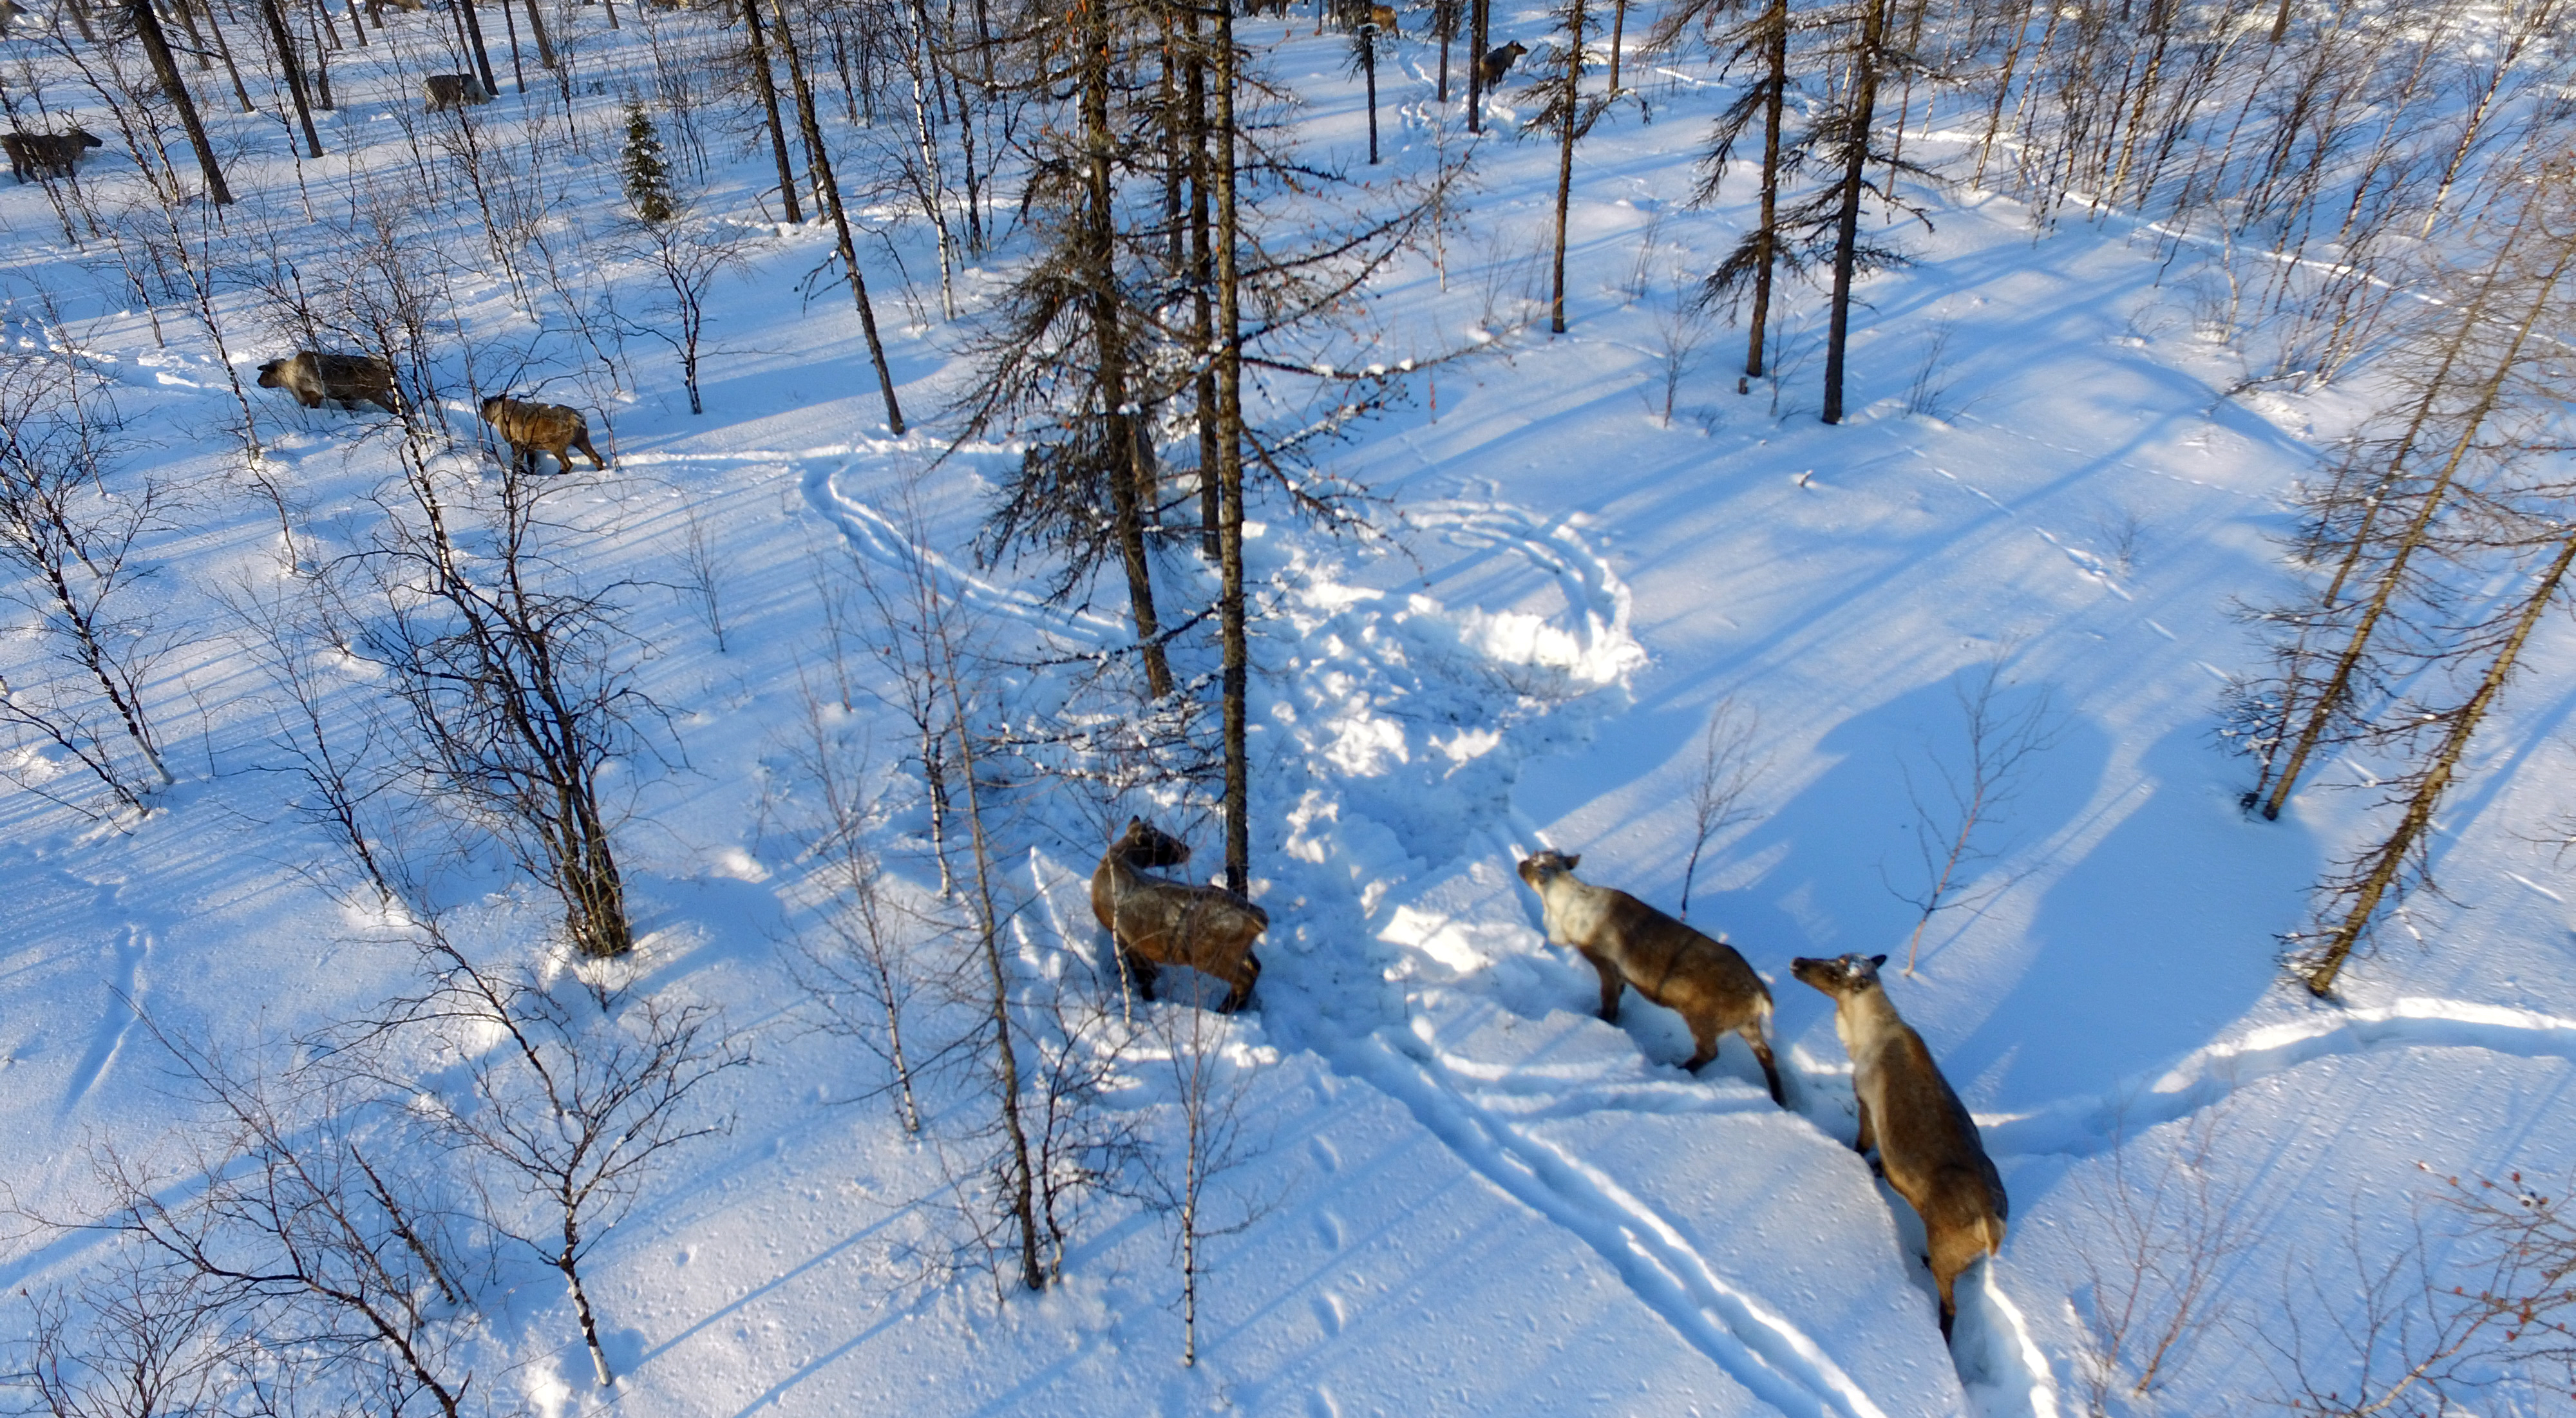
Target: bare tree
[[861, 976], [687, 255], [291, 1239], [2480, 1293], [1682, 325], [74, 543], [1209, 1086], [1728, 768], [2159, 1241], [339, 751], [132, 1340], [577, 1099], [1958, 812], [702, 572], [519, 679]]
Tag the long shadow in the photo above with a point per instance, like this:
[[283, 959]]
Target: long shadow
[[2128, 967], [1833, 861]]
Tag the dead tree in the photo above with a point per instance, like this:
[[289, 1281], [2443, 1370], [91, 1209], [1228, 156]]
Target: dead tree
[[2452, 413]]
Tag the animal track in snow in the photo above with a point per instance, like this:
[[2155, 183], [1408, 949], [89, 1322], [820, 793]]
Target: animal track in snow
[[884, 544], [1757, 1347], [126, 993]]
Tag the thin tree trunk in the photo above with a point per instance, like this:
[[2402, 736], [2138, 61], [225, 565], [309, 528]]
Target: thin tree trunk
[[224, 51], [1864, 112], [1618, 28], [1368, 66], [768, 106], [510, 29], [1775, 46], [545, 47], [1006, 1056], [2376, 502], [564, 1262], [474, 36], [292, 70], [2338, 685], [1229, 386], [1477, 39], [156, 46], [2390, 858], [1446, 16], [1202, 311], [821, 162], [1126, 475], [1573, 121]]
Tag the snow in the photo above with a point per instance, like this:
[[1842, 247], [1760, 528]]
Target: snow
[[1466, 1195]]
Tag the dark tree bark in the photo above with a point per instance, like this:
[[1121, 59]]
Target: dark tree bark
[[1570, 125], [1128, 485], [2382, 866], [1478, 12], [292, 70], [474, 36], [1862, 113], [1775, 54], [759, 52], [1229, 385], [820, 160], [156, 46]]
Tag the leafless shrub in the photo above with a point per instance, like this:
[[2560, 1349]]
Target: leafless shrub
[[288, 1241], [342, 752], [519, 678], [1209, 1083], [1728, 768], [861, 974], [131, 1340], [576, 1100], [2118, 530], [2158, 1244], [74, 545], [702, 573], [1956, 813], [686, 255], [1931, 382], [1682, 325], [2478, 1300]]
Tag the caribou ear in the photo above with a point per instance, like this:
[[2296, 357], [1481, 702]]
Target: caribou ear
[[1877, 960], [1574, 861]]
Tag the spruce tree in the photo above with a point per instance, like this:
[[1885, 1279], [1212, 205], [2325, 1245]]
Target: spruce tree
[[648, 180]]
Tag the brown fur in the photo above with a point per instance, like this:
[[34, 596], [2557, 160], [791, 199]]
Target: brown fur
[[44, 154], [1632, 943], [453, 90], [1499, 61], [531, 429], [1156, 921], [313, 376], [1383, 16], [1927, 1143]]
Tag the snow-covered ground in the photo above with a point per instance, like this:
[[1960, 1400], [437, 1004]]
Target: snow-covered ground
[[1465, 1194]]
